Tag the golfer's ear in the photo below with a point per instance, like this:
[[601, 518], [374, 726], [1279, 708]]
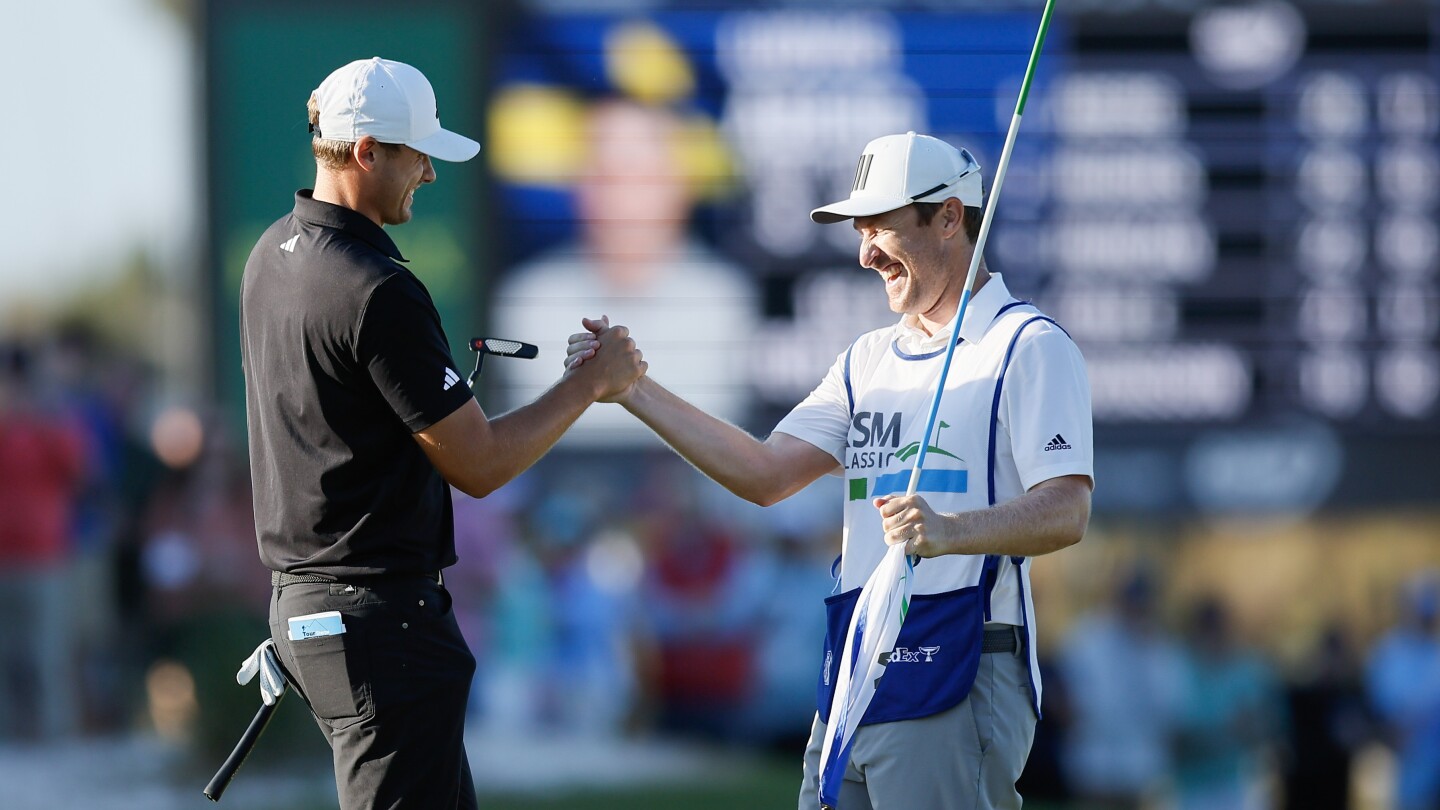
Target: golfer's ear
[[363, 151]]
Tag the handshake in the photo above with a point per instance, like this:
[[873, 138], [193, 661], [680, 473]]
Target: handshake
[[606, 356]]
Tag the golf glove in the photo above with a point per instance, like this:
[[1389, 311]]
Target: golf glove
[[262, 661]]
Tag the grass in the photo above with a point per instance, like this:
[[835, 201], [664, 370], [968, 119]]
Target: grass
[[773, 784]]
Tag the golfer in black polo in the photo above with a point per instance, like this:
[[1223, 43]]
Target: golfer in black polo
[[358, 419]]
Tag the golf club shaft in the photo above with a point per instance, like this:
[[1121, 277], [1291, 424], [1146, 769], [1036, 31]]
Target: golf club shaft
[[475, 375], [979, 253], [222, 777]]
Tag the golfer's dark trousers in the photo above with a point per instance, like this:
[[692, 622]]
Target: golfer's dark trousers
[[389, 693]]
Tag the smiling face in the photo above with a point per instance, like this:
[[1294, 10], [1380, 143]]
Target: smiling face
[[397, 172], [917, 261]]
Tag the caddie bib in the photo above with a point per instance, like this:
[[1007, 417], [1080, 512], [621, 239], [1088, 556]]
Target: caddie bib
[[937, 653]]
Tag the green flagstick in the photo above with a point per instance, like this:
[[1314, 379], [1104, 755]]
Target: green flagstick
[[1000, 170], [1034, 60]]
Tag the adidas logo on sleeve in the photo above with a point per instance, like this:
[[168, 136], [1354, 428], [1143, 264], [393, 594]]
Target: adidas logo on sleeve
[[451, 378], [1057, 443]]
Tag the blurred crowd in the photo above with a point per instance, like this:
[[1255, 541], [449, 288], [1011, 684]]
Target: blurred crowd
[[1193, 718], [616, 594]]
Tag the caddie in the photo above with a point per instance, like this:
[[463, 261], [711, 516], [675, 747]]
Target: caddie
[[1008, 477]]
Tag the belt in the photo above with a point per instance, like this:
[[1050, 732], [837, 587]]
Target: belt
[[280, 579], [1000, 640]]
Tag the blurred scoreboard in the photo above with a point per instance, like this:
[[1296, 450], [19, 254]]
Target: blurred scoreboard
[[1240, 229], [1233, 238], [1231, 207]]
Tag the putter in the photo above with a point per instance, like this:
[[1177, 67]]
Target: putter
[[221, 780], [500, 348]]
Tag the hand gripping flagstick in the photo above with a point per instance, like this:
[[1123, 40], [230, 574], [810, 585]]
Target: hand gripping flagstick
[[885, 599]]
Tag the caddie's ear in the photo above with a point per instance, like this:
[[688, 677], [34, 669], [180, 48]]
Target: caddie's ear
[[951, 217], [363, 152]]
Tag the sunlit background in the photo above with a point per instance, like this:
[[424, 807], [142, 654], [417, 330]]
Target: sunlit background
[[1232, 207]]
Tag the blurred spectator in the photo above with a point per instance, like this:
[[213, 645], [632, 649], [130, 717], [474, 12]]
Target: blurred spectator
[[486, 539], [77, 367], [593, 571], [704, 590], [1043, 782], [198, 554], [42, 468], [1123, 676], [793, 582], [1403, 681], [1328, 725], [1232, 716], [704, 611], [635, 262], [517, 637], [564, 630]]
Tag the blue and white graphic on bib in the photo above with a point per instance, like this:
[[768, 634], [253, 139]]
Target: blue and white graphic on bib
[[968, 466], [875, 443]]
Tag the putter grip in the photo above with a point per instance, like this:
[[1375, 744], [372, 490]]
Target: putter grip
[[222, 777]]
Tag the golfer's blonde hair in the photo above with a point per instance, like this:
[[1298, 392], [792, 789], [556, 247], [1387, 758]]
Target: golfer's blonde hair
[[331, 153]]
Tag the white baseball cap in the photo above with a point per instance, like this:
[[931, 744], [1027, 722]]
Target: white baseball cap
[[897, 170], [391, 102]]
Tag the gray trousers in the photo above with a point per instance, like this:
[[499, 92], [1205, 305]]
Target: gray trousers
[[964, 758], [39, 685]]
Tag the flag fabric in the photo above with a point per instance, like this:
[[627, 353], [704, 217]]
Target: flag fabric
[[874, 626]]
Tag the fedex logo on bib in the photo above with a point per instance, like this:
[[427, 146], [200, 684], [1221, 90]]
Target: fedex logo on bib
[[904, 655]]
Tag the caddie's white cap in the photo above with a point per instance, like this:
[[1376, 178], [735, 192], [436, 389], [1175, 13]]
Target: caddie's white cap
[[391, 102], [897, 170]]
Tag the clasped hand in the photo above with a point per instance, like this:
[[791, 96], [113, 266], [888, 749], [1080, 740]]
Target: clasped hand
[[609, 353]]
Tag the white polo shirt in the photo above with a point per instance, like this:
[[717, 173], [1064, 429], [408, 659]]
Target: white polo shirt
[[1016, 412]]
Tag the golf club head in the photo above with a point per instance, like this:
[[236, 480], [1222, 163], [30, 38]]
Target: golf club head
[[504, 348]]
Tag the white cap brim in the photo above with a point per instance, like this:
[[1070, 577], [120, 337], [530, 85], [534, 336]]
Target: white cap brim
[[855, 207], [966, 189], [446, 145]]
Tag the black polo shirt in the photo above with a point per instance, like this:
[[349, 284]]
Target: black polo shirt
[[344, 360]]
